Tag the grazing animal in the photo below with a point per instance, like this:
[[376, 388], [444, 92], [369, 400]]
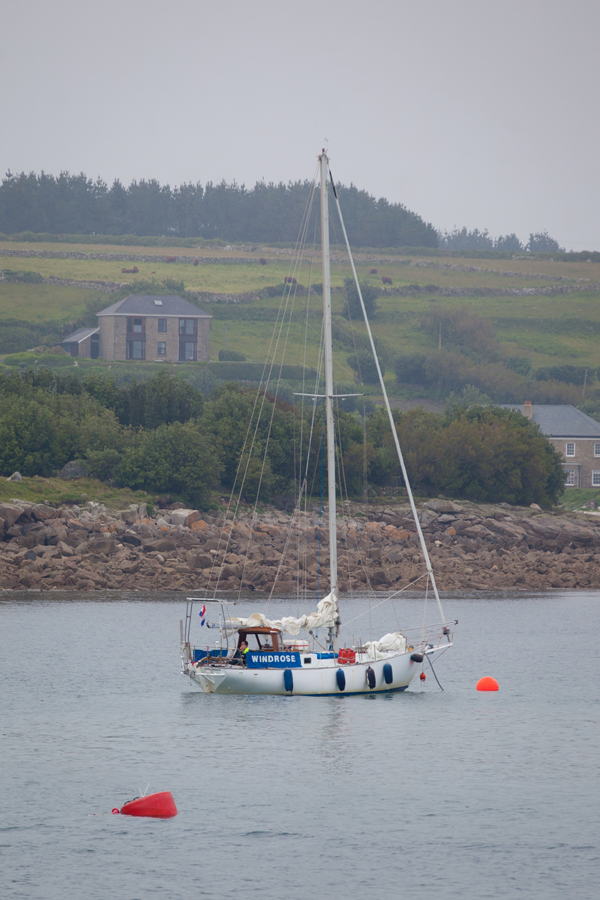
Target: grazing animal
[[133, 271], [289, 280], [196, 261], [373, 272], [385, 279], [262, 261], [170, 259]]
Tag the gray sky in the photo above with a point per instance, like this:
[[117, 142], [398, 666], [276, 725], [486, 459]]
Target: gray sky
[[469, 112]]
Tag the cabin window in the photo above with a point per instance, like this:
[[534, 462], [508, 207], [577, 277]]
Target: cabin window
[[570, 449], [162, 348], [596, 449], [596, 478], [135, 350], [570, 477], [162, 326]]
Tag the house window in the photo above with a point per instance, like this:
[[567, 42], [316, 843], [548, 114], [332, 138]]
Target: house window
[[596, 449], [135, 326], [187, 326], [162, 326], [135, 350], [570, 477], [187, 350], [162, 348], [596, 478], [570, 449]]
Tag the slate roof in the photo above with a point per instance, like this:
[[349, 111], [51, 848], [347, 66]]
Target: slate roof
[[144, 305], [561, 421], [80, 335]]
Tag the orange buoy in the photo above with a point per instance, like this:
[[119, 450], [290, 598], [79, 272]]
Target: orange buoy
[[422, 676], [487, 683], [154, 806]]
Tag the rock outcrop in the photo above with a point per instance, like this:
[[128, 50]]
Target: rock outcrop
[[473, 547]]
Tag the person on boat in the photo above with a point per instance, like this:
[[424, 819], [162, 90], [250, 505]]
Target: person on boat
[[239, 657]]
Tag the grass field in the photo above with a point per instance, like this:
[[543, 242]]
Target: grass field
[[42, 302], [561, 328], [57, 490]]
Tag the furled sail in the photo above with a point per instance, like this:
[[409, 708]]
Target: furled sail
[[325, 617], [395, 640]]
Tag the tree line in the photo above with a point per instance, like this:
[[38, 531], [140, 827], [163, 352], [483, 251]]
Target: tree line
[[463, 239], [165, 436], [268, 213]]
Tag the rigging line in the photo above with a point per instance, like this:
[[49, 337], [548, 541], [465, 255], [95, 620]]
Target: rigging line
[[342, 470], [385, 599], [425, 609], [266, 447], [389, 411], [239, 466], [433, 670], [280, 320], [321, 502], [266, 450]]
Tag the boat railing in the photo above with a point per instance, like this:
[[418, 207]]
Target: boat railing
[[436, 634]]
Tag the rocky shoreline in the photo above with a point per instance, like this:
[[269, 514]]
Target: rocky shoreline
[[472, 546]]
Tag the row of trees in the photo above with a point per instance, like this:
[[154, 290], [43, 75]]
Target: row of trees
[[164, 436], [463, 239], [74, 204]]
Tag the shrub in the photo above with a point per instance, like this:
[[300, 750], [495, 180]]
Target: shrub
[[231, 356], [352, 309], [364, 367]]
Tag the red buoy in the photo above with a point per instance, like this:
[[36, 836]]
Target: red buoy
[[422, 676], [154, 806], [487, 683]]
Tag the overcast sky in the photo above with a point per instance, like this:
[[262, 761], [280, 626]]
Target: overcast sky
[[469, 112]]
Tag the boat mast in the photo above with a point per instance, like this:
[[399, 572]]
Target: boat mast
[[328, 354]]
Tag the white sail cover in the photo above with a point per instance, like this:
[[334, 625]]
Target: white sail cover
[[394, 640], [324, 617]]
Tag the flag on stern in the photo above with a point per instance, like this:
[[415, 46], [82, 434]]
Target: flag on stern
[[203, 615]]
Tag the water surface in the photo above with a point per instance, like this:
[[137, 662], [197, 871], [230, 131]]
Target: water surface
[[421, 794]]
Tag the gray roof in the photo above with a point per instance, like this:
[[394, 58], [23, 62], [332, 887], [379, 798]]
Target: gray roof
[[145, 305], [80, 335], [561, 421]]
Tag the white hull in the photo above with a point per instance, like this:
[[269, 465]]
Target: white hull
[[318, 681]]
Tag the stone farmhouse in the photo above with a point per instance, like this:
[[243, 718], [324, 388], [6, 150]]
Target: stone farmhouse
[[144, 326], [575, 435]]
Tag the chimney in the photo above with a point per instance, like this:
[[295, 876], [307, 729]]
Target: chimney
[[528, 409]]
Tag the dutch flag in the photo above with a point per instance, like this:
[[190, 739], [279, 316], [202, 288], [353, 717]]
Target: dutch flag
[[203, 615]]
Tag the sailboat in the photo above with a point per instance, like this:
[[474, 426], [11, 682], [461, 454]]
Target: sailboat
[[254, 656]]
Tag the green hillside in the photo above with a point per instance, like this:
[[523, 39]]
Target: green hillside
[[538, 313]]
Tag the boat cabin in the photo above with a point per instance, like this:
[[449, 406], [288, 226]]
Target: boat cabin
[[264, 639]]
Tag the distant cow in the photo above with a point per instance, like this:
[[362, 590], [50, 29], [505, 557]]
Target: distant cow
[[385, 279], [170, 259], [373, 272], [196, 261], [133, 271], [289, 280], [262, 261]]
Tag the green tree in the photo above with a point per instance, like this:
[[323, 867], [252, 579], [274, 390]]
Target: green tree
[[353, 309], [181, 458], [365, 369]]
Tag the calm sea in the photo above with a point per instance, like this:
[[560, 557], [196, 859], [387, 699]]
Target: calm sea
[[422, 794]]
